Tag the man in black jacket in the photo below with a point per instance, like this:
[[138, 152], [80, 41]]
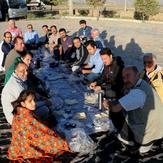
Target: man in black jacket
[[80, 54], [111, 81], [5, 47]]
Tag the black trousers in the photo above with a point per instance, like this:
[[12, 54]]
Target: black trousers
[[121, 125]]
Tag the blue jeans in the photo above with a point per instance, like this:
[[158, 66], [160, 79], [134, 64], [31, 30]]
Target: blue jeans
[[93, 76]]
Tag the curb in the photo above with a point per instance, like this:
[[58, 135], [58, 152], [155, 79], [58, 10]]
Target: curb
[[111, 19]]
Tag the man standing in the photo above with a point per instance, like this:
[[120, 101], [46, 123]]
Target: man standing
[[15, 52], [153, 73], [137, 114], [5, 47], [94, 68]]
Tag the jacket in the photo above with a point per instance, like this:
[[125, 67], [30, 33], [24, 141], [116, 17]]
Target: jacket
[[155, 78]]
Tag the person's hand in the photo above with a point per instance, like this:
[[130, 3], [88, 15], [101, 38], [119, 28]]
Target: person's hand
[[93, 85], [105, 104], [83, 71], [97, 89]]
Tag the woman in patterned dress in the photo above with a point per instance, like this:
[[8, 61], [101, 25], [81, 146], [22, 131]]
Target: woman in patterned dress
[[32, 140]]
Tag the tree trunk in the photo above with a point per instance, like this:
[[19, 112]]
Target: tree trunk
[[143, 16], [70, 7]]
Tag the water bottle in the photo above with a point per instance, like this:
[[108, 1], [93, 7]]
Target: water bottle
[[100, 100]]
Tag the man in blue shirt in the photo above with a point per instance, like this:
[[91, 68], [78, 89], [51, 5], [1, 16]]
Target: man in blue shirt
[[95, 34], [95, 66], [31, 38], [85, 31]]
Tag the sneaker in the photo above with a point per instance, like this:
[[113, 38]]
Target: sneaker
[[126, 142], [145, 149]]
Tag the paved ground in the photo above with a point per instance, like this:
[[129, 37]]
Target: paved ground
[[128, 39], [124, 38]]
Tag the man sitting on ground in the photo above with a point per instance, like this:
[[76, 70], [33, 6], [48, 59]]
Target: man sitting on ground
[[84, 32], [25, 57], [137, 114], [153, 73], [5, 48], [15, 85], [81, 54], [111, 80], [31, 38], [65, 45], [13, 88], [94, 68], [33, 82], [13, 29], [15, 52], [95, 35]]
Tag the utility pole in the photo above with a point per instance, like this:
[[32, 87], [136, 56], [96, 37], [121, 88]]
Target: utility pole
[[125, 8], [70, 3]]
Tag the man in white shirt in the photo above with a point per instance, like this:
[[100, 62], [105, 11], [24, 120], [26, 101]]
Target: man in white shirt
[[137, 115]]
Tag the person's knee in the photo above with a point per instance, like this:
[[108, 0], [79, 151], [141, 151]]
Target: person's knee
[[92, 77]]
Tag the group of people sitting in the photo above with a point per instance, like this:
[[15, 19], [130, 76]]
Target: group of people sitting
[[134, 99]]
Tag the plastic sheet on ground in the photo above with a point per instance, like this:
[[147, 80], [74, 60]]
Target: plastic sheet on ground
[[70, 100]]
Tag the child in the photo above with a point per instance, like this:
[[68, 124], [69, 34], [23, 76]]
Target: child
[[31, 140]]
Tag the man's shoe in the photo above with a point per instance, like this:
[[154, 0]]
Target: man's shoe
[[126, 142], [145, 149]]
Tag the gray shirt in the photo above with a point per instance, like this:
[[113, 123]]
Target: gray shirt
[[10, 93]]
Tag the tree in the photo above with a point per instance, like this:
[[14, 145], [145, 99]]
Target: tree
[[96, 4], [146, 8], [52, 2]]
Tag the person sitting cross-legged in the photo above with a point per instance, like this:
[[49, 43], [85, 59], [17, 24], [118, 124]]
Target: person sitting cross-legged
[[80, 55], [32, 141], [31, 38], [13, 88], [93, 69]]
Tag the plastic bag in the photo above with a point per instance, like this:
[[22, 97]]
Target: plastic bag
[[80, 142]]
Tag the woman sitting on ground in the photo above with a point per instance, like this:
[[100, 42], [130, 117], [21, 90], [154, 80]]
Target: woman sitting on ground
[[32, 140]]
